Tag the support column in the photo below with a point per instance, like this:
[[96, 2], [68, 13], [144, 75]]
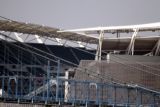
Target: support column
[[138, 98], [8, 90], [3, 80], [130, 49], [99, 47], [57, 85], [158, 48], [16, 91], [115, 95], [128, 97], [66, 91], [48, 81], [30, 82], [44, 79]]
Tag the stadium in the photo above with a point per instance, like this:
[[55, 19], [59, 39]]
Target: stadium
[[116, 66]]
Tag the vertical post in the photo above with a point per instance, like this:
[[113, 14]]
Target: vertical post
[[3, 86], [48, 81], [21, 86], [140, 98], [115, 95], [30, 83], [97, 93], [66, 86], [16, 87], [118, 34], [100, 41], [8, 87], [57, 87], [75, 91], [43, 85], [34, 86], [99, 47], [130, 49], [107, 93], [86, 104], [87, 93], [61, 91], [100, 97], [137, 98], [128, 91], [21, 77], [154, 100]]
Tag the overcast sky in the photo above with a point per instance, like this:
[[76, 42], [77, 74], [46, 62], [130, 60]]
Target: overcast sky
[[68, 14]]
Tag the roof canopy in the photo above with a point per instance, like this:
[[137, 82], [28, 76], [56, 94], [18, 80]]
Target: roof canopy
[[120, 29], [129, 43], [28, 28], [117, 43]]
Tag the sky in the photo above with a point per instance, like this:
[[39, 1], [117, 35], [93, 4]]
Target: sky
[[72, 14]]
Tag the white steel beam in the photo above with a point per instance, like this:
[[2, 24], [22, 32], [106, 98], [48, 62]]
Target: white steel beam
[[59, 41], [2, 37], [158, 48], [130, 49], [38, 39], [80, 44], [18, 37], [99, 46]]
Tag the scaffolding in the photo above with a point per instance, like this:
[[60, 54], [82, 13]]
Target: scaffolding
[[38, 80], [31, 75]]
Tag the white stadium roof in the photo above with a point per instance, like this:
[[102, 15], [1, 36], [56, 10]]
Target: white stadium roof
[[146, 43]]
